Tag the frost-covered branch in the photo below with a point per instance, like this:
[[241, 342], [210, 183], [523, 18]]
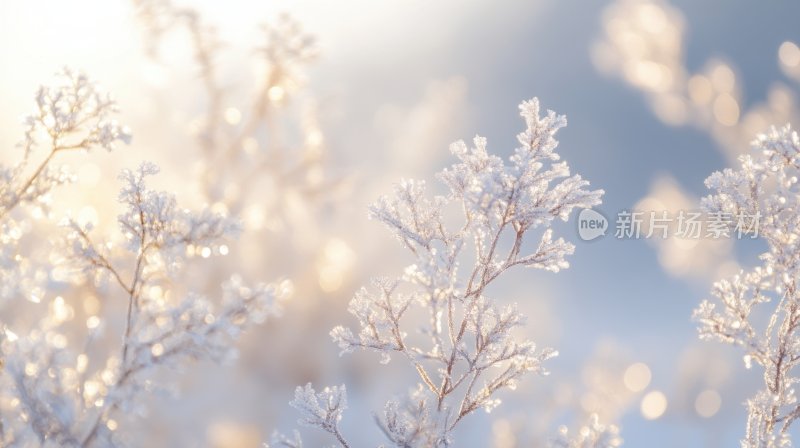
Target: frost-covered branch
[[470, 354], [61, 395], [322, 410], [157, 332], [593, 435], [763, 193], [72, 114]]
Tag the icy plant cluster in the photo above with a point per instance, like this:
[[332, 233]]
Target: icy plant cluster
[[70, 115], [466, 353], [593, 435], [57, 388], [759, 310]]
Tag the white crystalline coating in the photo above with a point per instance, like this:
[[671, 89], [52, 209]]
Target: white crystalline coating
[[592, 435], [72, 410], [71, 114], [468, 354], [320, 409], [763, 195]]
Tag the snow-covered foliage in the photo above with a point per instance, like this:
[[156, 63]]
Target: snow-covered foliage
[[593, 435], [469, 353], [763, 189], [54, 392], [322, 410], [71, 115]]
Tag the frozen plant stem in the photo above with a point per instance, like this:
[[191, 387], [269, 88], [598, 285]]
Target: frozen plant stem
[[57, 399], [19, 194], [762, 199], [74, 115], [470, 354], [132, 300], [592, 435], [155, 229]]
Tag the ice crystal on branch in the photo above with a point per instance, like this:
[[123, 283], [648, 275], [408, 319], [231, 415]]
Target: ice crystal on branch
[[593, 435], [75, 405], [764, 193], [70, 115], [282, 440], [409, 423], [322, 410], [470, 354]]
